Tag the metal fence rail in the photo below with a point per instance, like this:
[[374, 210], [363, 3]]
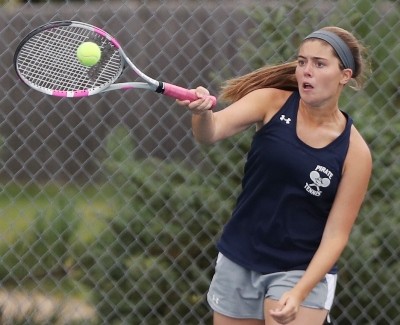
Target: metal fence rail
[[109, 210]]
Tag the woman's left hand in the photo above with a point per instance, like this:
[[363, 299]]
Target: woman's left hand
[[287, 310]]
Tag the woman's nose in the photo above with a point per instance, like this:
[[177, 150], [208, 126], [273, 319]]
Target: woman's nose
[[307, 69]]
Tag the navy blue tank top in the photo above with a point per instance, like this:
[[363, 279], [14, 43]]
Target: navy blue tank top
[[288, 190]]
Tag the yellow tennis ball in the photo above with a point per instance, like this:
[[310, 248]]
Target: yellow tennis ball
[[88, 54]]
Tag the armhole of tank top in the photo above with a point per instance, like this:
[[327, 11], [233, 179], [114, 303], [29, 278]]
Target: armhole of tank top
[[293, 96]]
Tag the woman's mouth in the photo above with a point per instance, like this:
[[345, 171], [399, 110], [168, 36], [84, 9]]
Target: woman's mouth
[[307, 85]]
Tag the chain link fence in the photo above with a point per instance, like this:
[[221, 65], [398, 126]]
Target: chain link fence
[[109, 210]]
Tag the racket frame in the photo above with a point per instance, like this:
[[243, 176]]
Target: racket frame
[[149, 84]]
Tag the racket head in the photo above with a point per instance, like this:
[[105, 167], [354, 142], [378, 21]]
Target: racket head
[[46, 60]]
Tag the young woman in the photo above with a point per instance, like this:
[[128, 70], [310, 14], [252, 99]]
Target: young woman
[[305, 179]]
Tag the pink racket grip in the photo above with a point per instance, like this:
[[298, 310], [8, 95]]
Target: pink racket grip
[[183, 93]]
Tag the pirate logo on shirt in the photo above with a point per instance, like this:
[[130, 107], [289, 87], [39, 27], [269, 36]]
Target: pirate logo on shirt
[[320, 178]]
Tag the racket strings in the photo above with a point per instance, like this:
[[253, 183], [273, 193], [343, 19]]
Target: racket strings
[[48, 60], [107, 61]]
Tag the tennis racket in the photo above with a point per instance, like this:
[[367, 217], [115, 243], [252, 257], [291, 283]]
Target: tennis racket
[[46, 61]]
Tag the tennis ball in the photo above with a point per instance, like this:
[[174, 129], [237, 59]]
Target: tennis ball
[[88, 54]]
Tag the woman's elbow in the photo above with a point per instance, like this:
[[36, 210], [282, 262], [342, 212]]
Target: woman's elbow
[[203, 140]]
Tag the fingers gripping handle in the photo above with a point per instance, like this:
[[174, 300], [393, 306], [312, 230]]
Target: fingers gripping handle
[[183, 93]]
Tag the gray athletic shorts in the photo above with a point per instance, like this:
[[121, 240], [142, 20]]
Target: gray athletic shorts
[[240, 293]]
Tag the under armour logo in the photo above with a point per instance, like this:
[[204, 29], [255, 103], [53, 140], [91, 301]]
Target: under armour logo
[[215, 299], [286, 119]]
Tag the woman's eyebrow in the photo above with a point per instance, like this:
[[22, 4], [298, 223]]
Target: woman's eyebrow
[[312, 58]]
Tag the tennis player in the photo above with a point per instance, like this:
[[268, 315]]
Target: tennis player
[[304, 181]]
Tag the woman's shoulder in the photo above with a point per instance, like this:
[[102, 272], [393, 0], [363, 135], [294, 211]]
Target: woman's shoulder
[[271, 100], [359, 151]]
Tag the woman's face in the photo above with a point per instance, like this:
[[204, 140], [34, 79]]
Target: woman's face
[[319, 77]]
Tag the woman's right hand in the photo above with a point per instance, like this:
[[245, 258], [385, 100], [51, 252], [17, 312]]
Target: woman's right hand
[[201, 105]]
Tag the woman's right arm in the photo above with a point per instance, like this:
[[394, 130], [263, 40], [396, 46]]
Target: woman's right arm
[[257, 107]]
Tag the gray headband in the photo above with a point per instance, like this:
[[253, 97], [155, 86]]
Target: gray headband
[[340, 47]]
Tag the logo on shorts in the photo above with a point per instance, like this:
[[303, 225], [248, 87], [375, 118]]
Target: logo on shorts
[[320, 177], [215, 299]]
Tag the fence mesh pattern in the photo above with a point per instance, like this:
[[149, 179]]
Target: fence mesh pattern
[[110, 211]]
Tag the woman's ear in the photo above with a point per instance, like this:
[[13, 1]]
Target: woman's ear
[[346, 76]]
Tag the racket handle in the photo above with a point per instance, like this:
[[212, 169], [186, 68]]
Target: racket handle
[[183, 93]]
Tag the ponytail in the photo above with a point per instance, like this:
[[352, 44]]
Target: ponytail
[[280, 76]]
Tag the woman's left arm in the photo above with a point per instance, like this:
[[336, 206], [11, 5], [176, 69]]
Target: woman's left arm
[[349, 197]]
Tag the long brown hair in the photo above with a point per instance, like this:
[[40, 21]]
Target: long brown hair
[[282, 76], [358, 51]]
